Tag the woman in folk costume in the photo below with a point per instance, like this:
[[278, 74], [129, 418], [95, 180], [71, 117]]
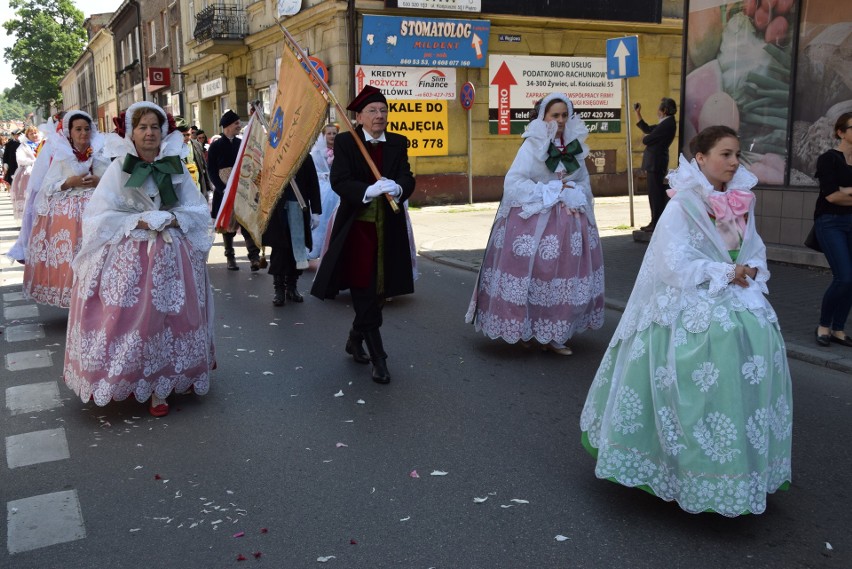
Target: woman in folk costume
[[51, 131], [323, 155], [542, 277], [142, 309], [692, 401], [26, 156], [74, 172]]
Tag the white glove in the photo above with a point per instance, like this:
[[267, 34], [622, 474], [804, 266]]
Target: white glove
[[573, 197], [550, 195], [373, 191], [315, 219], [391, 187], [157, 220]]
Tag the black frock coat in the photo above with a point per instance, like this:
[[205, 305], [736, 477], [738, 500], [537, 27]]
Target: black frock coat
[[349, 178], [306, 179]]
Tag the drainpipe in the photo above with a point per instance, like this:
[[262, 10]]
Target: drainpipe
[[351, 23], [139, 45]]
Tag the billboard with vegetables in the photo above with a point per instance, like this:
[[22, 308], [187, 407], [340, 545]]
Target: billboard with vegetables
[[739, 66], [823, 88]]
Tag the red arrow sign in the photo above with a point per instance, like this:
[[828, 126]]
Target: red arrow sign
[[359, 75], [504, 81]]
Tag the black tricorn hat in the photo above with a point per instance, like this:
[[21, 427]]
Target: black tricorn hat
[[368, 94]]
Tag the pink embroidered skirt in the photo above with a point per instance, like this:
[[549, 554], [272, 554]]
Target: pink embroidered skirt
[[541, 279], [55, 239], [141, 321]]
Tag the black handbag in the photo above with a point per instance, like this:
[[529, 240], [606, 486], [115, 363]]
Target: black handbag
[[811, 241]]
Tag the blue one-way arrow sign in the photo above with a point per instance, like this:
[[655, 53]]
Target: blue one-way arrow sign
[[622, 57]]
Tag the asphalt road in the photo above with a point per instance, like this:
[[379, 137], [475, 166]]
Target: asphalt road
[[296, 455]]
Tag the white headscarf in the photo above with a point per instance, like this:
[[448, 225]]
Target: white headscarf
[[61, 137], [541, 132], [117, 146]]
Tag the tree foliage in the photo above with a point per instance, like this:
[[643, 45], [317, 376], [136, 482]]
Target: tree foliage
[[11, 109], [50, 38]]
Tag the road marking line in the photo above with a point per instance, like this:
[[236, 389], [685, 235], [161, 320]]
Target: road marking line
[[18, 361], [13, 296], [24, 332], [36, 447], [33, 397], [19, 312], [44, 520]]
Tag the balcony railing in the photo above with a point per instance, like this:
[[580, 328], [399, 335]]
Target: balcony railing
[[220, 22]]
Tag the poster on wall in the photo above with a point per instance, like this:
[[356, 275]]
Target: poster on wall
[[408, 82], [424, 42], [424, 123], [739, 68], [516, 83], [823, 83]]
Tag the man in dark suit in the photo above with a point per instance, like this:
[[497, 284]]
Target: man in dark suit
[[221, 157], [655, 159], [10, 157], [369, 251]]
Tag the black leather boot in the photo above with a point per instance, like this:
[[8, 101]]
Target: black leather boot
[[378, 357], [292, 292], [280, 297], [355, 347]]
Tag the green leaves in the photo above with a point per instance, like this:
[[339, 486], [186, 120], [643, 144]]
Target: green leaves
[[49, 38]]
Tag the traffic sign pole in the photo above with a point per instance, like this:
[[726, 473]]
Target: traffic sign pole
[[467, 96], [629, 150], [622, 62], [469, 159]]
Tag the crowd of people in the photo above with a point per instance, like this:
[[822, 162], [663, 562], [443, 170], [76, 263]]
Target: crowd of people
[[692, 399]]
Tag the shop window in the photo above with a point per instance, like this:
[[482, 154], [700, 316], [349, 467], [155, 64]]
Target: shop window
[[823, 83], [265, 103], [739, 73]]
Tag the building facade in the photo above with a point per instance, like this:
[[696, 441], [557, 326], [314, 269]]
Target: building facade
[[225, 54]]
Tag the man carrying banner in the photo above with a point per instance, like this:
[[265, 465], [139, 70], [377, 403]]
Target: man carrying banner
[[369, 251], [220, 160]]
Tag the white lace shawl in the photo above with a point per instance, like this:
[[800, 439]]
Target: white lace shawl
[[44, 158], [25, 156], [526, 182], [318, 154], [61, 169], [683, 281], [114, 211]]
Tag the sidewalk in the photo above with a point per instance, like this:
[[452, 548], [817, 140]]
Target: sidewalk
[[457, 235]]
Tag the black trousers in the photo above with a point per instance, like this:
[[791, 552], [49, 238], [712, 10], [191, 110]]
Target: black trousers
[[368, 308], [251, 246], [228, 238], [282, 262], [657, 196]]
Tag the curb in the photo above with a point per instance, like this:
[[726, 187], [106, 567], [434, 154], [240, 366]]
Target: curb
[[807, 354]]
